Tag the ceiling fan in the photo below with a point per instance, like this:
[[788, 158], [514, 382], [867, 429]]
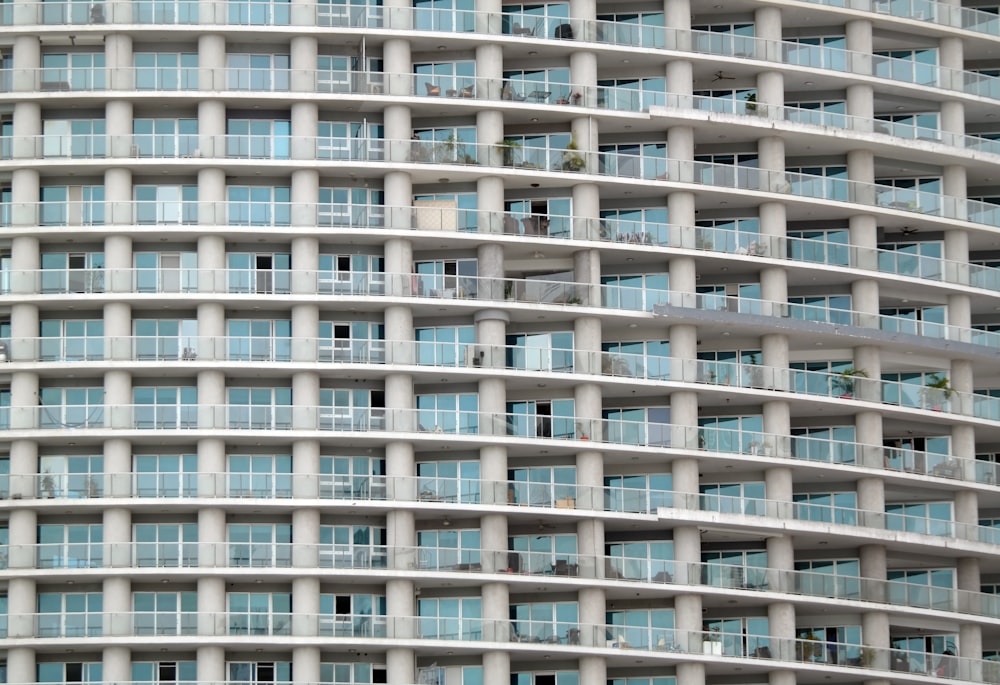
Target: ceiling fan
[[721, 76], [906, 230]]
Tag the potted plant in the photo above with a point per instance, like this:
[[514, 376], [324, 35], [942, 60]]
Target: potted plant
[[755, 374], [751, 104], [572, 159], [507, 147], [937, 391], [845, 381]]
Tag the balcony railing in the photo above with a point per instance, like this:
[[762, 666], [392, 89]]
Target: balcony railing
[[647, 640]]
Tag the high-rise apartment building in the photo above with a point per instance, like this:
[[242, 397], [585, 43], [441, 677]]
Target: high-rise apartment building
[[455, 342]]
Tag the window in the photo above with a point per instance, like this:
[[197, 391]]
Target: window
[[260, 672], [448, 413], [829, 578], [171, 272], [910, 194], [71, 340], [446, 212], [343, 140], [259, 12], [633, 94], [451, 549], [73, 476], [638, 292], [72, 614], [724, 39], [630, 160], [545, 678], [825, 308], [451, 16], [918, 454], [259, 613], [925, 321], [262, 545], [729, 170], [828, 182], [351, 410], [542, 419], [359, 341], [448, 279], [537, 217], [639, 493], [818, 52], [736, 235], [350, 673], [446, 346], [744, 636], [258, 138], [70, 546], [636, 426], [352, 478], [164, 672], [911, 66], [71, 407], [165, 407], [734, 498], [166, 71], [911, 390], [643, 29], [257, 72], [444, 78], [155, 205], [165, 138], [259, 273], [818, 112], [268, 475], [165, 613], [448, 481], [165, 11], [927, 588], [536, 19], [829, 644], [165, 339], [541, 553], [543, 151], [833, 444], [830, 507], [165, 545], [923, 126], [648, 561], [644, 226], [928, 518], [551, 623], [730, 100], [740, 569], [73, 71], [259, 340], [641, 629], [351, 207], [543, 486], [357, 615], [821, 247], [259, 205], [73, 12], [920, 260], [730, 367], [638, 358], [359, 13], [73, 137], [452, 618], [934, 654], [351, 274], [347, 546], [452, 145], [70, 672], [166, 475], [71, 205]]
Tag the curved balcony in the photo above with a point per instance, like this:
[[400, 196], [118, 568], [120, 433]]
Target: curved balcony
[[446, 20], [666, 643], [276, 557], [620, 34]]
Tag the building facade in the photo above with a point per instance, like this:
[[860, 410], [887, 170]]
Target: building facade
[[455, 342]]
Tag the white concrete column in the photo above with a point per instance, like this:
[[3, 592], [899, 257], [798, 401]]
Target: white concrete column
[[118, 124], [211, 59], [118, 61], [304, 121], [398, 67], [305, 398], [27, 58], [27, 130], [305, 262], [212, 128], [302, 59], [859, 41], [305, 466]]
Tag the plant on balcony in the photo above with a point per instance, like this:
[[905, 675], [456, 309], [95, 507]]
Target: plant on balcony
[[845, 381], [507, 147], [937, 391], [572, 159], [750, 103]]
